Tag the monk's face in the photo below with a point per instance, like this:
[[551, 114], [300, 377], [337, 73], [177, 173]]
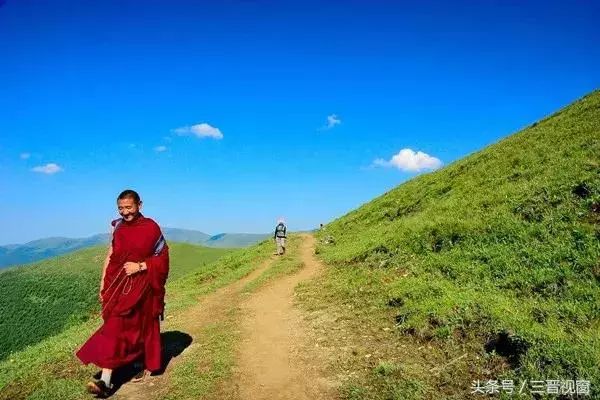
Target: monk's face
[[128, 208]]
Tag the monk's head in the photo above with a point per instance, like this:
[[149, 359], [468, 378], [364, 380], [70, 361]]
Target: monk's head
[[129, 204]]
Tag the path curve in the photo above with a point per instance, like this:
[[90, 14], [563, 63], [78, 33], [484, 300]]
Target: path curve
[[274, 360]]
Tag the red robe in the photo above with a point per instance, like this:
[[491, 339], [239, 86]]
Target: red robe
[[131, 305]]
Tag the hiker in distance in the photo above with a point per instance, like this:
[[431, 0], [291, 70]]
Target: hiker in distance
[[280, 236], [132, 290]]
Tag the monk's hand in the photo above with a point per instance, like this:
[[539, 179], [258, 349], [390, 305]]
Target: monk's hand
[[131, 268]]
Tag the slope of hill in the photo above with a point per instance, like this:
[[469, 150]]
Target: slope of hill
[[499, 251], [185, 235], [48, 369], [40, 249], [44, 298], [45, 248]]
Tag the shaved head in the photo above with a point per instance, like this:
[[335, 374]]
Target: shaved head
[[129, 194]]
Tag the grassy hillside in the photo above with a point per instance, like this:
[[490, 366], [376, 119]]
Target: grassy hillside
[[499, 251], [42, 299], [37, 250], [49, 370]]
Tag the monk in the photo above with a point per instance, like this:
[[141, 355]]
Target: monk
[[132, 291]]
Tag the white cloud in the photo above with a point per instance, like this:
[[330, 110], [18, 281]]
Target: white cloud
[[25, 156], [410, 161], [202, 130], [49, 169], [160, 149], [332, 120]]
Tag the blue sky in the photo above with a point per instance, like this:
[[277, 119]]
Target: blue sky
[[113, 95]]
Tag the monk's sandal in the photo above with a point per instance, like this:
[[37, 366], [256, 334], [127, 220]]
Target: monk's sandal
[[99, 388], [140, 376]]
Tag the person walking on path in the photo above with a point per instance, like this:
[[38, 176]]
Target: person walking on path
[[132, 291], [280, 235]]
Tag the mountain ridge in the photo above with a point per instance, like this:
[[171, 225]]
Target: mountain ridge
[[39, 249]]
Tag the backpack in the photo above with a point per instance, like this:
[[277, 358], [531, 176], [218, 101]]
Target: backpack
[[280, 231]]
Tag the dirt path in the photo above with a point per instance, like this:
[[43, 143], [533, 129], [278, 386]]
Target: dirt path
[[274, 359], [210, 309]]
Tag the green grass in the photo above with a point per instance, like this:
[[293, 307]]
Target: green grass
[[284, 265], [49, 369], [230, 268], [205, 370], [198, 375], [44, 298], [188, 258], [505, 242]]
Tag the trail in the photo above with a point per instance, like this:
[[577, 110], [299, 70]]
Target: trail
[[274, 360], [211, 308]]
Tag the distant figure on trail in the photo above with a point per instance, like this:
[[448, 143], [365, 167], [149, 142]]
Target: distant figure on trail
[[132, 291], [280, 236]]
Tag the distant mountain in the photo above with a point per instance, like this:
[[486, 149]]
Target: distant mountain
[[185, 235], [43, 248], [235, 239], [16, 254]]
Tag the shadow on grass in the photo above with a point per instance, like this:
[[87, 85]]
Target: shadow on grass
[[173, 344]]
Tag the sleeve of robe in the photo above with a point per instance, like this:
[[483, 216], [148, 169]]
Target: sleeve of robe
[[158, 271]]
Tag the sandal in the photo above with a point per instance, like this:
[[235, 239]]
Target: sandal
[[140, 376], [98, 388]]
